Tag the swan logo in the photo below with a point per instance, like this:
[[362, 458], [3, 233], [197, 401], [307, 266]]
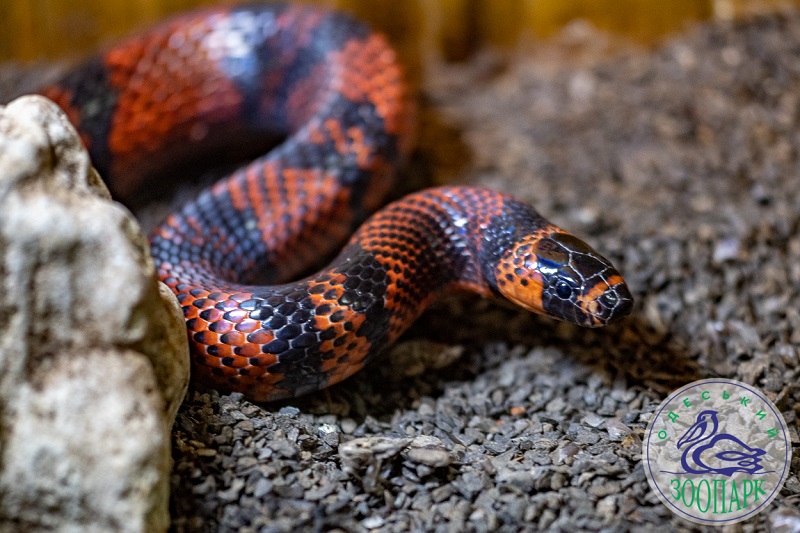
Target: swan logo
[[717, 451]]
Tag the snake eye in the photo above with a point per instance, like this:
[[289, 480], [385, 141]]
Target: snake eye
[[563, 290]]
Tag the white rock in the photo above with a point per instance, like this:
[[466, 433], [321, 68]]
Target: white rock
[[93, 355]]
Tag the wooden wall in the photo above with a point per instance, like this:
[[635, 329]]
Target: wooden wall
[[55, 29]]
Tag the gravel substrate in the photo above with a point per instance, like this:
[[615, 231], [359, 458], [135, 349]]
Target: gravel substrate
[[682, 166]]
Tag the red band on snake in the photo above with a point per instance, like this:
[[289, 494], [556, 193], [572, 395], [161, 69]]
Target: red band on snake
[[334, 90]]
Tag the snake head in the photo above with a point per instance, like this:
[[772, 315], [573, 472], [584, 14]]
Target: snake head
[[556, 274]]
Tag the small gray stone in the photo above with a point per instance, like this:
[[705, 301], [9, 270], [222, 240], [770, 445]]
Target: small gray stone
[[373, 522], [785, 520], [616, 429], [427, 451]]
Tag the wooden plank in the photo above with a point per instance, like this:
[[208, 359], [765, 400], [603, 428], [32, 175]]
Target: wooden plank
[[450, 29]]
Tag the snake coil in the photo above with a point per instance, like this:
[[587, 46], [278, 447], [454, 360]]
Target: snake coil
[[334, 90]]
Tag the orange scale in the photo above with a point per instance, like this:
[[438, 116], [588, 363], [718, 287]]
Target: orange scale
[[223, 326], [326, 346], [330, 365], [199, 324], [228, 371], [206, 337], [260, 337], [238, 362], [234, 338], [248, 326], [248, 350], [270, 379], [322, 322], [256, 371], [343, 371], [223, 350], [208, 360]]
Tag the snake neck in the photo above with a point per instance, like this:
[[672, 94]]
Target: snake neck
[[432, 242]]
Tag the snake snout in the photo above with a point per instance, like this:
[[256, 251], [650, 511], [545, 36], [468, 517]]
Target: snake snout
[[613, 303]]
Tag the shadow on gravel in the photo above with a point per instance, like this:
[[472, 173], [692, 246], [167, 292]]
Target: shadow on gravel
[[490, 333]]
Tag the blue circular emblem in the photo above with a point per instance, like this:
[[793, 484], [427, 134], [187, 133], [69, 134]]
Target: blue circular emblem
[[717, 451]]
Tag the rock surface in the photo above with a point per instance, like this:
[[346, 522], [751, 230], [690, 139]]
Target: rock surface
[[94, 356]]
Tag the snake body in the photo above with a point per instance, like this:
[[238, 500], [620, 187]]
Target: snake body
[[334, 91]]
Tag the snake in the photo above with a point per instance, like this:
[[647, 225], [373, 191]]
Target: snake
[[333, 92]]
